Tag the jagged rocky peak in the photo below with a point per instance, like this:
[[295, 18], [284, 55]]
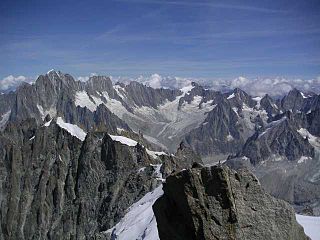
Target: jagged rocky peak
[[187, 155], [198, 95], [280, 140], [55, 81], [219, 203], [293, 100], [238, 97], [269, 105], [99, 83], [142, 95], [219, 126]]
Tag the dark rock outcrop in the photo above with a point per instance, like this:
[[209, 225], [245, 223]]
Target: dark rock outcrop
[[219, 203], [293, 101], [54, 186], [184, 158]]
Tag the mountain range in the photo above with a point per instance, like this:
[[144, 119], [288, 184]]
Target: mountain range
[[76, 155]]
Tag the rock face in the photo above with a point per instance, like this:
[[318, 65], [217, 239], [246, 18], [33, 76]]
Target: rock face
[[280, 139], [54, 186], [218, 134], [293, 101], [184, 158], [219, 203]]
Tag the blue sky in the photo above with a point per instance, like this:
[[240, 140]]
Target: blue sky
[[210, 39]]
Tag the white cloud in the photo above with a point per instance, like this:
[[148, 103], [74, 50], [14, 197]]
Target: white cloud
[[239, 81], [86, 78], [275, 86], [155, 81], [11, 82], [254, 86]]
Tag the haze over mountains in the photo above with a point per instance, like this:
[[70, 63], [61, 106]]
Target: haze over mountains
[[94, 148]]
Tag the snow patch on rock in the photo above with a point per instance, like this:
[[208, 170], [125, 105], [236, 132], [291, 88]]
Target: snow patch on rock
[[124, 140], [313, 140], [231, 96], [47, 124], [155, 154], [139, 223], [303, 159], [311, 225], [73, 129], [82, 99], [4, 119], [43, 113]]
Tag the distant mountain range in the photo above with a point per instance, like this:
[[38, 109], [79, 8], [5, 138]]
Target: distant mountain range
[[75, 155]]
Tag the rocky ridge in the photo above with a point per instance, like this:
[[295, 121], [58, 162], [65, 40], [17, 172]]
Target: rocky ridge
[[219, 203]]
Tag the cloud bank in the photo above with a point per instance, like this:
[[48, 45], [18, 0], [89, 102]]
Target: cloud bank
[[11, 82], [276, 87]]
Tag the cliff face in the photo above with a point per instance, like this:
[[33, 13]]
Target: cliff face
[[54, 186], [219, 203]]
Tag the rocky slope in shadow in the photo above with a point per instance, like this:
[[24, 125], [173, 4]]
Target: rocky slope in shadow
[[54, 186]]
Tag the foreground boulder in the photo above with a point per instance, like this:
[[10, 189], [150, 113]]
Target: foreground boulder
[[219, 203]]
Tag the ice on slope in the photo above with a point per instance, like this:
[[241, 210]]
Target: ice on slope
[[52, 112], [231, 96], [4, 119], [115, 106], [47, 124], [139, 223], [168, 123], [132, 143], [246, 118], [73, 129], [302, 94], [82, 99], [304, 159], [313, 140], [120, 91], [124, 140], [311, 225], [155, 154]]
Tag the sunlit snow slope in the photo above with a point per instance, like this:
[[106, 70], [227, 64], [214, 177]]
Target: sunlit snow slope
[[311, 225]]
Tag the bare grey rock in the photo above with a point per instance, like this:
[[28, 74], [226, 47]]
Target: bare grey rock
[[219, 203], [53, 186]]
